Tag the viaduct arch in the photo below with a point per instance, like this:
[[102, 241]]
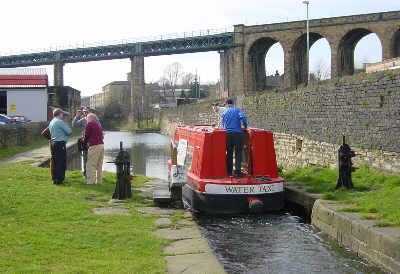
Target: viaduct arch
[[244, 72]]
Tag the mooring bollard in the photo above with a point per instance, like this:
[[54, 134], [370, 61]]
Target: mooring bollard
[[345, 165], [123, 165]]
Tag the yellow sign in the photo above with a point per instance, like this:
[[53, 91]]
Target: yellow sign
[[13, 107]]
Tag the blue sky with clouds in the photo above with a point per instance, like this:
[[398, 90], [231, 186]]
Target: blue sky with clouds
[[44, 23]]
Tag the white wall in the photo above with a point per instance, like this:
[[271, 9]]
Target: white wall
[[31, 103]]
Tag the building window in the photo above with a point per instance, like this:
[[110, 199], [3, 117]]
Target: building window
[[299, 145]]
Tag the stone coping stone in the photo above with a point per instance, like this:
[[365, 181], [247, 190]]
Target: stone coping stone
[[111, 210], [156, 182], [145, 192], [162, 222], [179, 234], [116, 202], [199, 245], [186, 222], [187, 214], [381, 245], [194, 263], [299, 196], [157, 211]]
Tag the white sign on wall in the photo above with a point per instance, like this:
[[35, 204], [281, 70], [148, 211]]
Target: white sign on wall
[[31, 103], [182, 150]]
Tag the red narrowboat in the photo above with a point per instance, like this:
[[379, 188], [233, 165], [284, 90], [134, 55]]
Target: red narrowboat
[[198, 169]]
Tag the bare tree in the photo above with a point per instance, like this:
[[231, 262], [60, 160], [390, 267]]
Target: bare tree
[[172, 72], [164, 84], [187, 79], [321, 71]]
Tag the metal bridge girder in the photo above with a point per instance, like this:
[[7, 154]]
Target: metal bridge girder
[[150, 48]]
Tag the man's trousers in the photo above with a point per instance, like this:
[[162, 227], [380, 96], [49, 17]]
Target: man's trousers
[[95, 164], [234, 141], [59, 161]]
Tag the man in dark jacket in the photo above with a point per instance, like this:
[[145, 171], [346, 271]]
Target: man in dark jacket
[[232, 119]]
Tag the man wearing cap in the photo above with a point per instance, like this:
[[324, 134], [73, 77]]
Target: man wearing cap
[[232, 119], [59, 132], [80, 121]]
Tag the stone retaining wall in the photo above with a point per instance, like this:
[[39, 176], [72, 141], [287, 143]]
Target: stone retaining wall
[[21, 135], [380, 245], [308, 124]]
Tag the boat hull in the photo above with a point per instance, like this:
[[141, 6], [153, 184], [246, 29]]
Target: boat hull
[[221, 204]]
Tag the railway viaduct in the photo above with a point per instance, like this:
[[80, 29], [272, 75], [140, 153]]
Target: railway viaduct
[[243, 66], [242, 52]]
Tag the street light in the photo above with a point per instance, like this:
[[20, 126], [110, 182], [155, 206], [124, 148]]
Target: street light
[[306, 2]]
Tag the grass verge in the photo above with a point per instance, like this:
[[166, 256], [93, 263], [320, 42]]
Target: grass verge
[[375, 194], [7, 152], [48, 228]]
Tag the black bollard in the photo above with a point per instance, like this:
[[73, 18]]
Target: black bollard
[[123, 185], [345, 165]]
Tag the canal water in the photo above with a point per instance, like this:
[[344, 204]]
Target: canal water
[[271, 243], [149, 152]]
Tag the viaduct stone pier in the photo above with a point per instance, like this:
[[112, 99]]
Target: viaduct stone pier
[[242, 52], [137, 86]]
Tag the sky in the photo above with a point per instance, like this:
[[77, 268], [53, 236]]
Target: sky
[[41, 24]]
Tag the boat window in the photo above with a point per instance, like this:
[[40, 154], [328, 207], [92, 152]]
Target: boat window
[[189, 157]]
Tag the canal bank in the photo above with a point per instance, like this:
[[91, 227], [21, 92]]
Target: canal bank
[[41, 156], [380, 245]]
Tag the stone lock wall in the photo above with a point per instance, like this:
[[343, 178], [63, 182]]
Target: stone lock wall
[[308, 124]]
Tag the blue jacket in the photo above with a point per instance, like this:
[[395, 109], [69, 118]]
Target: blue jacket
[[59, 130], [232, 119], [79, 123]]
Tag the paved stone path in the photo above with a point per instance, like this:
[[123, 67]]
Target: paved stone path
[[36, 156], [189, 251], [110, 210]]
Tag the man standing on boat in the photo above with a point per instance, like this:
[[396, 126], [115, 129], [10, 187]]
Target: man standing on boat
[[232, 119]]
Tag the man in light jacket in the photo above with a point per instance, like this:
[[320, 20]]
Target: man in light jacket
[[59, 132]]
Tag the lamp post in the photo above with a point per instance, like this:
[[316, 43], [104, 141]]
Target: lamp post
[[306, 2]]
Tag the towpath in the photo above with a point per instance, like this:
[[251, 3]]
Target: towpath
[[36, 156]]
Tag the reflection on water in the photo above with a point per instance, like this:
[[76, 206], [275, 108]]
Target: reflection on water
[[149, 152], [273, 243], [276, 243]]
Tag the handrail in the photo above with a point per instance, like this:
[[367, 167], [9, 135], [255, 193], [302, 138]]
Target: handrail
[[184, 35]]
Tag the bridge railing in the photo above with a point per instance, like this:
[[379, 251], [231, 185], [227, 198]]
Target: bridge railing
[[83, 44]]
